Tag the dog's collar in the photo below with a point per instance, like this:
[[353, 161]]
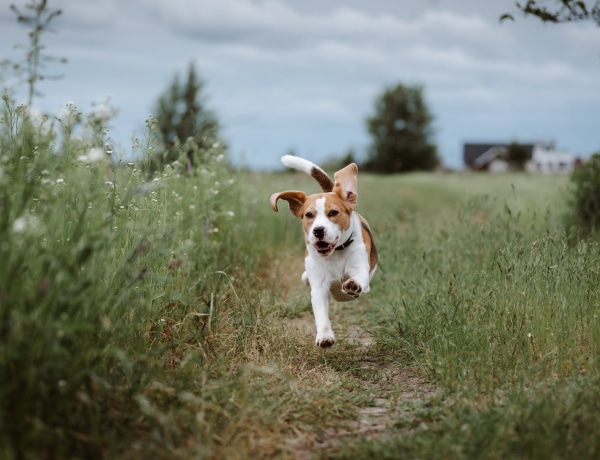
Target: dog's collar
[[348, 242]]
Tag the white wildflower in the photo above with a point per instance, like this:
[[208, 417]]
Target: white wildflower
[[25, 223], [20, 224], [94, 155]]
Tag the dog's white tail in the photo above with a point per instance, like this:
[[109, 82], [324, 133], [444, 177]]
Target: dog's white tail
[[309, 168]]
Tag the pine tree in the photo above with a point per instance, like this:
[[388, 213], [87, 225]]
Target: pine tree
[[183, 120]]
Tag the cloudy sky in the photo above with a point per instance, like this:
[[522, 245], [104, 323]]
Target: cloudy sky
[[303, 75]]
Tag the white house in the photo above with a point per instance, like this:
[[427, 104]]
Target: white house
[[545, 158], [542, 157]]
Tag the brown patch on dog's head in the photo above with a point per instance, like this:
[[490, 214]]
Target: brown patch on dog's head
[[346, 184], [294, 198], [327, 216], [336, 210]]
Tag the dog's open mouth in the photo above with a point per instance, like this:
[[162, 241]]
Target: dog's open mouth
[[324, 248]]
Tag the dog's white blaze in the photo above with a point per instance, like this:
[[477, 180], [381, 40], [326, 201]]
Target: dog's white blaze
[[332, 231], [320, 220]]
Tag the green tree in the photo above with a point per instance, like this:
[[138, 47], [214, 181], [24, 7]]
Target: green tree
[[184, 122], [517, 155], [562, 11], [401, 129], [585, 196]]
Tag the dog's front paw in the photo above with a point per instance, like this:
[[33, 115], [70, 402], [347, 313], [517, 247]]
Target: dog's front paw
[[352, 288], [305, 279], [325, 339]]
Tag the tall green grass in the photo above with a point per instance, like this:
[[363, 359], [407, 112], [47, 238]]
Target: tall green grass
[[163, 316], [493, 293], [118, 296], [480, 289], [483, 290]]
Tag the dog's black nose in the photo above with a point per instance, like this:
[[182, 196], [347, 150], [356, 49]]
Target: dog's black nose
[[319, 232]]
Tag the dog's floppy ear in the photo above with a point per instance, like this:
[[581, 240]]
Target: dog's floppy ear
[[294, 198], [346, 184]]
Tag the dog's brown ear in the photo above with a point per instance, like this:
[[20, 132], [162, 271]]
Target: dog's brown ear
[[294, 198], [346, 184]]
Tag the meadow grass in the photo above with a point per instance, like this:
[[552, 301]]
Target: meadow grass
[[163, 316], [480, 289]]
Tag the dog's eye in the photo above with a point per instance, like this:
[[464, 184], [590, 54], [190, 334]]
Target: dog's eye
[[309, 215], [333, 213]]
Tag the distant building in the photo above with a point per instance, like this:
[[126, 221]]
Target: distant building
[[539, 157], [547, 159]]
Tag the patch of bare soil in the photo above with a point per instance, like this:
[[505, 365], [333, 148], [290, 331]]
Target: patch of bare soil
[[395, 392]]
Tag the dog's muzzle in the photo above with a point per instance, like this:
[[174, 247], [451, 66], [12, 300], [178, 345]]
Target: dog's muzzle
[[324, 248]]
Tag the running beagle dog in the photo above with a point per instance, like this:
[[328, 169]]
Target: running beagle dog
[[341, 256]]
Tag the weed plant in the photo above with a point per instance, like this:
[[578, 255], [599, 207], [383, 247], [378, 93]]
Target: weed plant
[[489, 296], [495, 295], [117, 296]]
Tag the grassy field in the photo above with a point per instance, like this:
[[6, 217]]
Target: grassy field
[[163, 316]]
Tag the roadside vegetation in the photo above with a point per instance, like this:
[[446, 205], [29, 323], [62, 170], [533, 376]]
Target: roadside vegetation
[[152, 307], [164, 316]]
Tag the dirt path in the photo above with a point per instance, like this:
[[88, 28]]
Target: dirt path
[[394, 395], [394, 388]]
